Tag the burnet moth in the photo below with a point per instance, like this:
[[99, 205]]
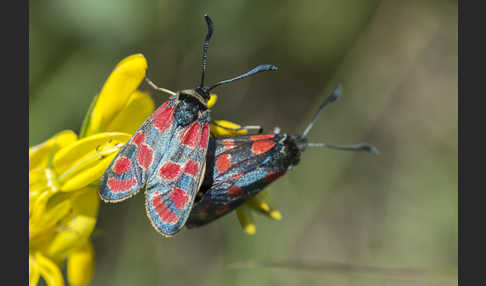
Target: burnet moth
[[241, 166], [167, 155]]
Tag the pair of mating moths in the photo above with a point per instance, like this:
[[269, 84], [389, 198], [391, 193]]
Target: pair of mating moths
[[191, 179]]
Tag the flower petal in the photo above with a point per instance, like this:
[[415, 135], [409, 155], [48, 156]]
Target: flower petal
[[39, 155], [246, 219], [75, 234], [121, 83], [41, 178], [80, 265], [34, 273], [136, 111], [87, 203], [42, 182], [47, 214], [76, 231], [49, 271], [223, 128], [84, 161], [65, 157], [89, 174]]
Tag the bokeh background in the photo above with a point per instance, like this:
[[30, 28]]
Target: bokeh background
[[348, 218]]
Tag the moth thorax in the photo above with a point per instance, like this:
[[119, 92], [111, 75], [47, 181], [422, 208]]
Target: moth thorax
[[188, 108], [295, 145]]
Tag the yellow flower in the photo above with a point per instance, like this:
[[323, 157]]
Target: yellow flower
[[64, 174], [259, 202], [65, 170]]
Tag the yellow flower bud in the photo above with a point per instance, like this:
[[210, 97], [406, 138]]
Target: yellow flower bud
[[212, 100], [260, 203], [80, 265], [246, 219]]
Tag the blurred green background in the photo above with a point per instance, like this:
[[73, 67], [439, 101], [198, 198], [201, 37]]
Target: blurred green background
[[398, 63]]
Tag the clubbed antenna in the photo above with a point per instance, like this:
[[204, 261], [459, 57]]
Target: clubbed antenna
[[357, 147], [205, 47], [334, 95], [258, 69]]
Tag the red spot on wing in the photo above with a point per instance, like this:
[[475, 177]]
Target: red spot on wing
[[191, 138], [159, 110], [164, 119], [191, 168], [203, 145], [139, 138], [259, 147], [121, 165], [119, 186], [223, 163], [179, 197], [260, 137], [273, 176], [234, 191], [165, 214], [145, 156], [170, 171]]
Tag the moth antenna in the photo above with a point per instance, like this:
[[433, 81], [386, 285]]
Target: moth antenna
[[258, 69], [154, 86], [205, 47], [358, 147], [331, 98]]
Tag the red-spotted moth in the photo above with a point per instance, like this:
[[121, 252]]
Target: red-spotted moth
[[239, 167], [167, 154]]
